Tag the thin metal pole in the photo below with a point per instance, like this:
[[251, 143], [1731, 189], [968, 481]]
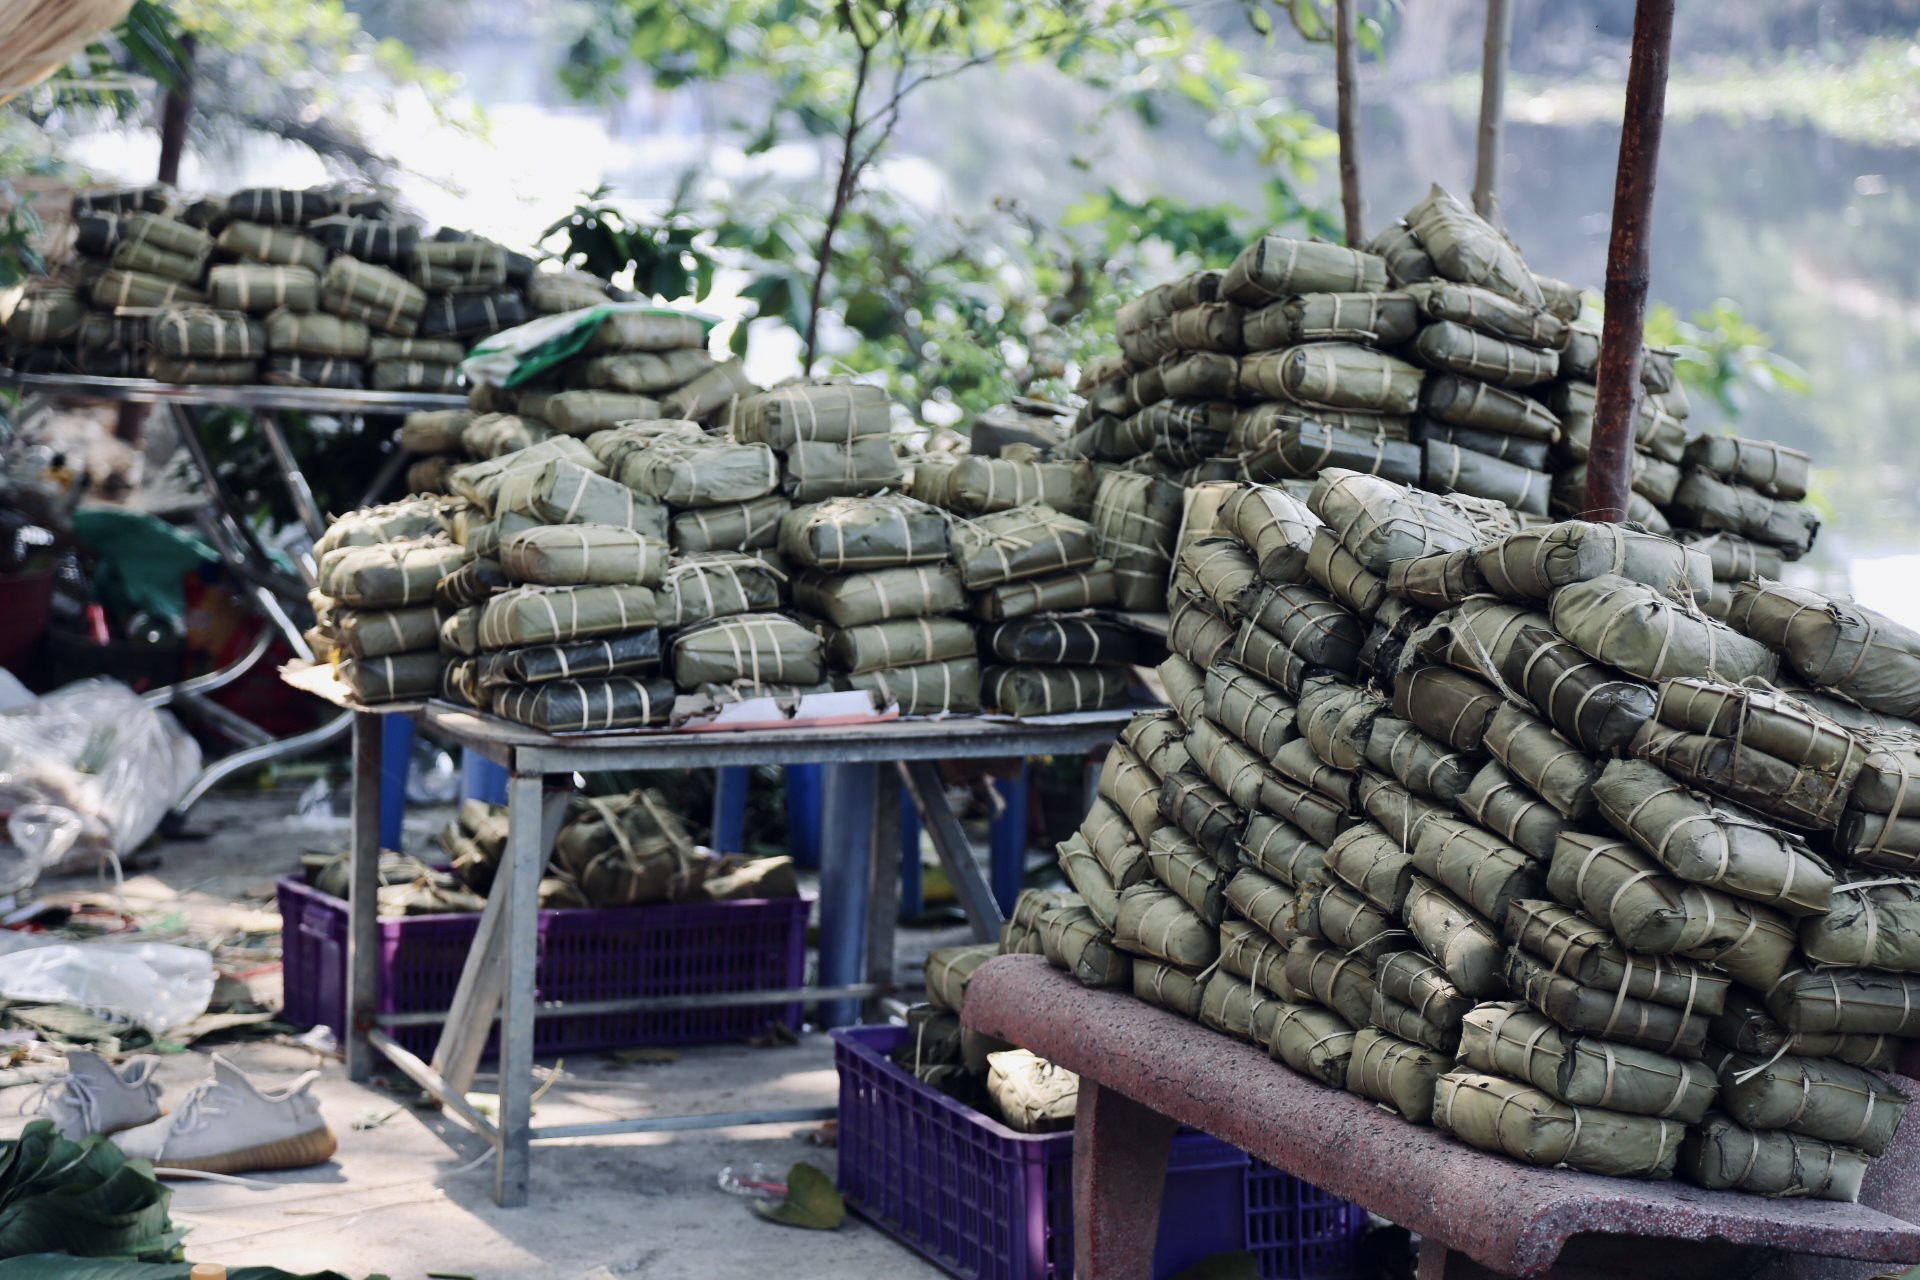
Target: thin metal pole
[[1346, 74], [363, 899], [1493, 101], [1629, 264]]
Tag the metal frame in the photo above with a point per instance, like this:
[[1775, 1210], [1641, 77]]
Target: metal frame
[[498, 977], [240, 550]]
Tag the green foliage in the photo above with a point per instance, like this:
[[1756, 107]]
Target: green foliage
[[84, 1198], [659, 257], [1724, 356], [958, 311]]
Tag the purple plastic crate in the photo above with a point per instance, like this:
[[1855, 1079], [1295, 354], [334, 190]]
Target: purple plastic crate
[[986, 1203], [592, 954]]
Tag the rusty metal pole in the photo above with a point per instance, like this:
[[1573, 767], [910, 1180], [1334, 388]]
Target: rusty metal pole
[[1493, 101], [1347, 110], [1629, 264]]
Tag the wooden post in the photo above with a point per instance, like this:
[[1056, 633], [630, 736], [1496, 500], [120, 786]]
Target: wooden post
[[1629, 264], [1493, 100], [1346, 73]]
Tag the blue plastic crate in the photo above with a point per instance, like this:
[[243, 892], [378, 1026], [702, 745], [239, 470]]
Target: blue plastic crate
[[986, 1203]]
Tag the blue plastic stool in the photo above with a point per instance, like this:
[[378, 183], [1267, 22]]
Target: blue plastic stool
[[912, 892], [730, 808], [482, 779], [1007, 839], [396, 753]]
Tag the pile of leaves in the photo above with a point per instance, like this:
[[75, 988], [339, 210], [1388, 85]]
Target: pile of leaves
[[84, 1211]]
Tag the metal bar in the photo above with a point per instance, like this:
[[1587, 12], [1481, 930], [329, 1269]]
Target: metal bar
[[523, 863], [437, 1088], [654, 1004], [231, 724], [955, 850], [1347, 110], [675, 1124], [296, 639], [213, 679], [290, 474], [1629, 265], [1493, 105], [396, 458], [363, 899], [877, 744], [883, 882], [282, 749], [335, 400]]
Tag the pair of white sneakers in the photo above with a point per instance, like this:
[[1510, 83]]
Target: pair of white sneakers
[[225, 1124]]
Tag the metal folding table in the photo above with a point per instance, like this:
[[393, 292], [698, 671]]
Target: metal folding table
[[858, 884], [268, 590]]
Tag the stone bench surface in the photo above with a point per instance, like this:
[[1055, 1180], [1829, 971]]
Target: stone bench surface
[[1511, 1217]]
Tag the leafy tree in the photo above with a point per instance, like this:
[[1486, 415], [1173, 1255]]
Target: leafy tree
[[843, 72], [952, 309]]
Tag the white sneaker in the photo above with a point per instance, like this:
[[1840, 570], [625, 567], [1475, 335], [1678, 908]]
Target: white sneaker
[[226, 1124], [95, 1097]]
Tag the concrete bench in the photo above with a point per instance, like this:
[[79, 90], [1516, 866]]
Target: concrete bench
[[1143, 1071]]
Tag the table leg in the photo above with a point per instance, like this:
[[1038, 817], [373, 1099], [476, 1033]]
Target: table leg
[[363, 904], [883, 883], [955, 850], [524, 861], [846, 855], [463, 1037], [1120, 1151]]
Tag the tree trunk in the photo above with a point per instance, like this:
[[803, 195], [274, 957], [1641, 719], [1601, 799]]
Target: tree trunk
[[1493, 98], [176, 104], [1629, 264], [1347, 71]]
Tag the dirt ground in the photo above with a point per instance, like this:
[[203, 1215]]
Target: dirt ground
[[408, 1194]]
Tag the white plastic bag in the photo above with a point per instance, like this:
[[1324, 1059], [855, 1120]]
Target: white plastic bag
[[154, 984], [89, 771]]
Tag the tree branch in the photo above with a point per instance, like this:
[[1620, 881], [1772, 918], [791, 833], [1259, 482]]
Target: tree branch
[[842, 192]]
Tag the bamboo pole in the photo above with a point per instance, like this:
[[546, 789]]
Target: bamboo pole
[[1629, 264], [1346, 74], [1493, 100]]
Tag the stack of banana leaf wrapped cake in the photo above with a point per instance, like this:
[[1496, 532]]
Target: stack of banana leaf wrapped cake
[[1492, 825], [315, 288]]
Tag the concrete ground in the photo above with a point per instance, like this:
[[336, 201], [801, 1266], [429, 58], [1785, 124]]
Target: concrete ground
[[408, 1194]]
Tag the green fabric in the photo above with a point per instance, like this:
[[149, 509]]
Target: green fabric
[[139, 561], [521, 354]]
